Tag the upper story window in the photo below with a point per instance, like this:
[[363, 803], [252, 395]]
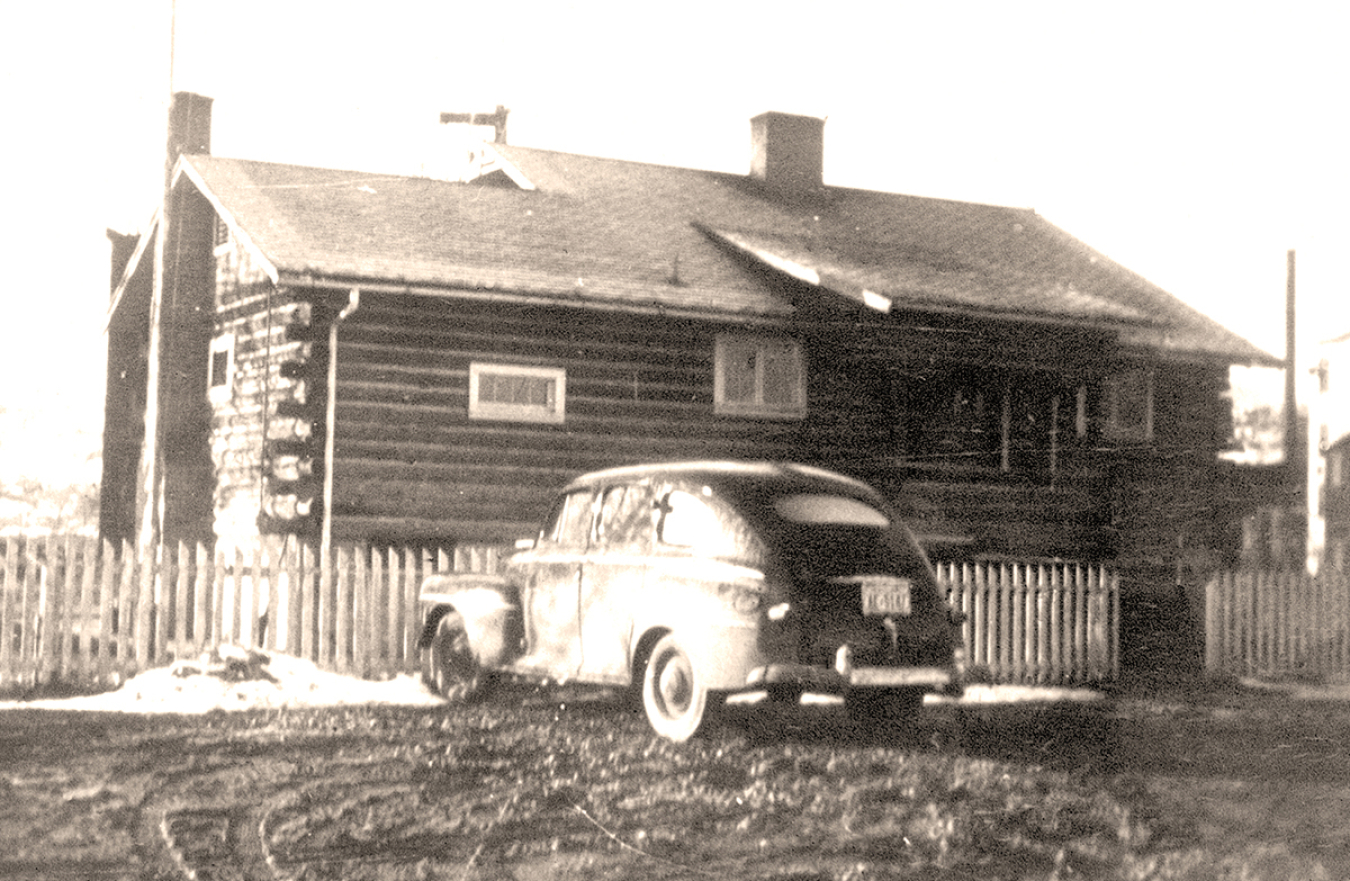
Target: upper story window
[[220, 236], [1127, 406], [759, 376], [515, 393]]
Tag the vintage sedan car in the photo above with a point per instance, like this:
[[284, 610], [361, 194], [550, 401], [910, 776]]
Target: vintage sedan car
[[697, 580]]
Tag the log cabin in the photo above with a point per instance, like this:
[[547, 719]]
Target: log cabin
[[344, 356]]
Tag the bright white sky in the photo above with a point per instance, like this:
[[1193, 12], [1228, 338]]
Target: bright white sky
[[1195, 143]]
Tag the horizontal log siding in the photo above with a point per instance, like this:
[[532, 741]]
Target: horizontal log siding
[[410, 463]]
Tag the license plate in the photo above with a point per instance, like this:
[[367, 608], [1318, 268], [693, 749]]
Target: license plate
[[889, 596]]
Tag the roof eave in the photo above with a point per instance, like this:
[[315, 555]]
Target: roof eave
[[481, 290]]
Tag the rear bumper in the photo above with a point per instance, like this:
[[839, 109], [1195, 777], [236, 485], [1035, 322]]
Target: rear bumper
[[824, 679]]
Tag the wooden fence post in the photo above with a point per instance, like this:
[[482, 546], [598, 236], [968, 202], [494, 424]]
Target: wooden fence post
[[145, 608], [395, 613], [343, 611], [295, 599], [360, 597], [82, 644], [107, 570], [309, 604], [200, 632], [412, 569]]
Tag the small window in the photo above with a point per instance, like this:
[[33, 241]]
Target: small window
[[220, 378], [516, 393], [759, 376], [1127, 403]]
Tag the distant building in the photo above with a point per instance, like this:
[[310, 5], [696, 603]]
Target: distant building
[[1329, 458]]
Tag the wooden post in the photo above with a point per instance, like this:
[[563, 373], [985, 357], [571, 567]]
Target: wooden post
[[126, 610], [85, 612], [1080, 621], [108, 600], [219, 608], [145, 607], [235, 633], [182, 601], [295, 600], [1056, 599], [343, 611], [395, 617], [202, 594], [412, 565], [257, 604], [361, 608], [309, 604], [10, 611], [53, 585], [327, 616]]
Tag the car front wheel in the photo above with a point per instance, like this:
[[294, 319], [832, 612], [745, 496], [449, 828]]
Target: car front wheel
[[673, 695], [449, 667]]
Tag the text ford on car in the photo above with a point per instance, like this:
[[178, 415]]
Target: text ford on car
[[698, 580]]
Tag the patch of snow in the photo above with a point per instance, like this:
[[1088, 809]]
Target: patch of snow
[[279, 681], [236, 678]]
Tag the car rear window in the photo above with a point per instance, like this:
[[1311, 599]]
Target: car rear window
[[824, 509]]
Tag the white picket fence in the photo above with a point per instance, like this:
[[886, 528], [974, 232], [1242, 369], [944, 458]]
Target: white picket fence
[[77, 610], [1039, 622], [1271, 625]]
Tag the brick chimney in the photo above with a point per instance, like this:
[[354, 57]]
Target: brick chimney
[[189, 128], [787, 151]]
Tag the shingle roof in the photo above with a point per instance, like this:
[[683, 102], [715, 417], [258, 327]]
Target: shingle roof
[[617, 234]]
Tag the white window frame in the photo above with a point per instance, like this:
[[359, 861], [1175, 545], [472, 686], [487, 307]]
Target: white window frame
[[220, 389], [724, 347], [554, 413]]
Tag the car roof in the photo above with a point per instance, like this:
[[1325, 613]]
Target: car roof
[[790, 476]]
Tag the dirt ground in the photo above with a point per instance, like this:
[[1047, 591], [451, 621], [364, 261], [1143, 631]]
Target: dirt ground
[[535, 784]]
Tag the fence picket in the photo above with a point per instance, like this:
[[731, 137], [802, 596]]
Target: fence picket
[[343, 612], [10, 624], [309, 604], [143, 636], [412, 569], [85, 631], [396, 615], [295, 598], [361, 648], [201, 595], [107, 607]]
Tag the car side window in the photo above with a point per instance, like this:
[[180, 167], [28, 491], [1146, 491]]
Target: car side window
[[689, 521], [570, 523], [625, 517]]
